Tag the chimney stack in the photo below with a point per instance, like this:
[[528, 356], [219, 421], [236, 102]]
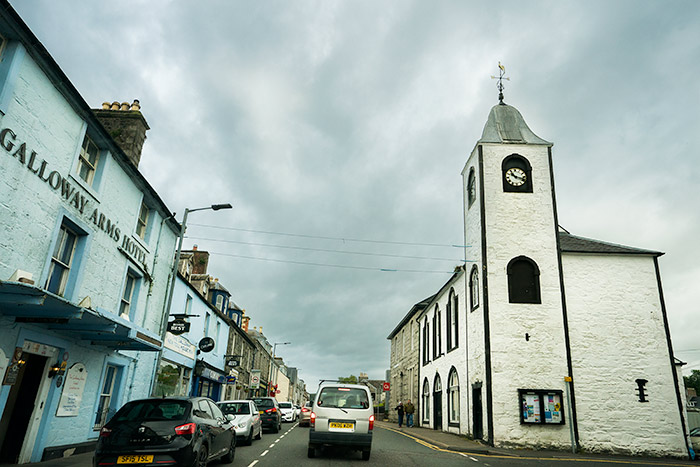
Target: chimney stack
[[126, 126]]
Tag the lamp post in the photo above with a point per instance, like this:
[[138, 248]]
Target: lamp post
[[274, 350], [173, 275]]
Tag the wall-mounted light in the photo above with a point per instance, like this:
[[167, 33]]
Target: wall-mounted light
[[53, 371]]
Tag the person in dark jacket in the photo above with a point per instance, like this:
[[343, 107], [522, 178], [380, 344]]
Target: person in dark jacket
[[399, 409], [410, 410]]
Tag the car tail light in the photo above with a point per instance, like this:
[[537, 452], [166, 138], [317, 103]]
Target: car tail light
[[272, 410], [371, 422], [304, 409], [105, 432], [186, 429], [313, 419]]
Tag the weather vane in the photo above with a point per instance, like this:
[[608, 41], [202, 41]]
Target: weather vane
[[500, 79]]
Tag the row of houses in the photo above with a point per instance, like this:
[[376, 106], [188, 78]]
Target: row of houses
[[542, 339], [87, 251]]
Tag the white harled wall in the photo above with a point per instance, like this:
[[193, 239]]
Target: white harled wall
[[617, 336]]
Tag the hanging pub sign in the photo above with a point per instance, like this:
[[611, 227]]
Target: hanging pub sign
[[178, 326], [232, 362], [207, 344]]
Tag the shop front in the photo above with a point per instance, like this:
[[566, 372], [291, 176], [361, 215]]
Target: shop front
[[176, 368], [209, 381]]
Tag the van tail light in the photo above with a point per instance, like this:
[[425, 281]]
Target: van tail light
[[272, 410], [186, 429], [313, 419], [371, 422], [105, 432]]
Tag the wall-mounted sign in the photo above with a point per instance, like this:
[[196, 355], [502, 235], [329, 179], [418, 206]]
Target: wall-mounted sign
[[386, 386], [72, 395], [13, 368], [230, 380], [180, 345], [232, 362], [207, 344], [178, 326]]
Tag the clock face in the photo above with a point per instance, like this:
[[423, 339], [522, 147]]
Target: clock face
[[516, 176]]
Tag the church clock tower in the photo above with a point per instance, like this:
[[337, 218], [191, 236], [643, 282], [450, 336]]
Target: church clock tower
[[516, 325]]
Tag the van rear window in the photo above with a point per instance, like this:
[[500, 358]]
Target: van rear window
[[343, 398]]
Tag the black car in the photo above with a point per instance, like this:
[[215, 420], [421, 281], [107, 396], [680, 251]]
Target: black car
[[170, 431], [269, 412]]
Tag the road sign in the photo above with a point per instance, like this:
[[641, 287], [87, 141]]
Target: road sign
[[386, 386]]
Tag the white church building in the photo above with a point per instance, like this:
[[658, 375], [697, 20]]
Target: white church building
[[545, 339]]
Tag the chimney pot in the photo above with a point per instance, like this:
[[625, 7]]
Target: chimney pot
[[115, 105], [125, 106], [194, 248], [136, 105], [105, 105]]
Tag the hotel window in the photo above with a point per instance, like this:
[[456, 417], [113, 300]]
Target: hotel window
[[206, 324], [104, 406], [129, 296], [88, 160], [218, 336], [188, 304], [142, 222], [61, 261]]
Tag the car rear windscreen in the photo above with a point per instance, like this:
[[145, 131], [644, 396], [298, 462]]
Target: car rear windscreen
[[343, 398], [153, 409], [235, 408], [285, 405], [264, 403]]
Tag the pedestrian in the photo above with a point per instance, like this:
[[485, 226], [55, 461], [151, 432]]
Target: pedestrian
[[409, 409], [399, 409]]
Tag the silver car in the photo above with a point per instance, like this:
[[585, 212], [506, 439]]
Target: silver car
[[247, 421]]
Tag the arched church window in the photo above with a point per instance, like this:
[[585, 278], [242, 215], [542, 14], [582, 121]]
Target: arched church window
[[474, 288], [517, 174], [523, 281], [453, 397], [426, 400], [471, 188], [452, 320]]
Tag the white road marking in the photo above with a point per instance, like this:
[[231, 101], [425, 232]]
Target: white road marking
[[272, 445], [264, 453], [252, 463]]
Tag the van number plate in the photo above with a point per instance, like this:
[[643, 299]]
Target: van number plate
[[340, 426]]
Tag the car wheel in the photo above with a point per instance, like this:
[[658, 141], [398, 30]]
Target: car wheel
[[249, 439], [259, 434], [228, 458], [365, 455], [202, 457], [312, 452]]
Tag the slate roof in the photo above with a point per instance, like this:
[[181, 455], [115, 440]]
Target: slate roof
[[414, 309], [574, 244], [506, 125]]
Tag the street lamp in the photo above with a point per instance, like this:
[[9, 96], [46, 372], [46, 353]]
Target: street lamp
[[274, 350], [173, 275]]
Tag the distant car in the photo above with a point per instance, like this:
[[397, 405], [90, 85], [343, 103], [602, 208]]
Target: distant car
[[247, 423], [695, 439], [269, 410], [289, 414], [342, 415], [305, 414], [297, 410], [166, 431]]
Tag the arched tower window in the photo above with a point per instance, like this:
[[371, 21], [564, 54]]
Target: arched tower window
[[474, 288], [523, 281], [471, 188], [452, 320], [517, 174]]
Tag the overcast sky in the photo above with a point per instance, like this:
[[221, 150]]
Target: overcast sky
[[353, 120]]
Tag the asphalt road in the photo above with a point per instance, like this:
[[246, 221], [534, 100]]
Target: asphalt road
[[390, 447]]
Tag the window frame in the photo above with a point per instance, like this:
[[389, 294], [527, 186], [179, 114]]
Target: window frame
[[58, 259], [452, 320], [142, 223], [452, 394], [132, 302], [426, 341], [474, 288], [84, 161], [426, 395], [471, 187]]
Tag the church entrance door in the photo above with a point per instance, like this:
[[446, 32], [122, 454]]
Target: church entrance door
[[437, 410], [478, 431]]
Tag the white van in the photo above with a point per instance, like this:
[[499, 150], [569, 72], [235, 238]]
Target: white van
[[342, 415]]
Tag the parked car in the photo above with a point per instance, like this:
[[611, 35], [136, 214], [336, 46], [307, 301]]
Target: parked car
[[247, 422], [305, 414], [288, 412], [269, 413], [166, 431], [342, 415], [695, 439]]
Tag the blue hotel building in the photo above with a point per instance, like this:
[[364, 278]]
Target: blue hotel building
[[86, 248]]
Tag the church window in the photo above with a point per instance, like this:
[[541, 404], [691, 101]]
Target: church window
[[523, 281], [426, 341], [426, 401], [437, 333], [471, 188], [452, 321], [453, 397], [517, 174], [474, 288]]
